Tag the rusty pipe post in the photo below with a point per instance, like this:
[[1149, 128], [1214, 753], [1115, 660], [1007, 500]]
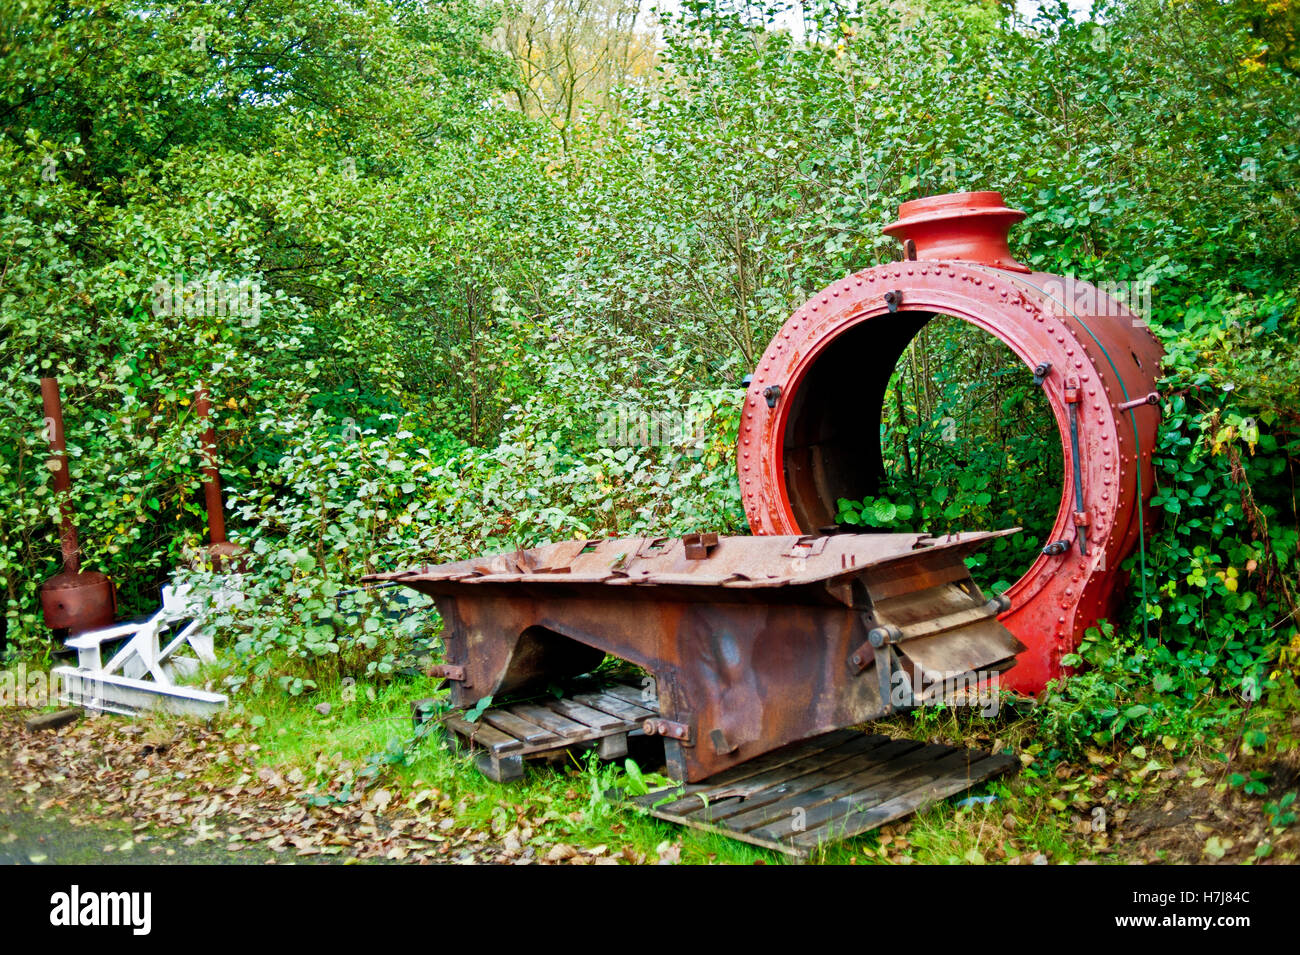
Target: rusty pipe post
[[211, 475], [58, 465], [71, 600], [224, 555]]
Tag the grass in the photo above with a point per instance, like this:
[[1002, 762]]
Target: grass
[[290, 732], [568, 799], [343, 739]]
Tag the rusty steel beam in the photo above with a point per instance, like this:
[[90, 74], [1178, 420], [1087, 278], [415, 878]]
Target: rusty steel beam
[[752, 642]]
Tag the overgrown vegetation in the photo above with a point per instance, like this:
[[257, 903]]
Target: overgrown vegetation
[[436, 325], [967, 443]]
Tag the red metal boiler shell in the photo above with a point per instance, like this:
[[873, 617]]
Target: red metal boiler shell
[[789, 478]]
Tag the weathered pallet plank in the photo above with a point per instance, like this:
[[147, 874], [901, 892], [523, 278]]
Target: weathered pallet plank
[[505, 735], [909, 802], [895, 762], [585, 714], [850, 796], [52, 721], [553, 721], [521, 729], [825, 790], [814, 788], [772, 760], [612, 705], [753, 791], [639, 696], [486, 736]]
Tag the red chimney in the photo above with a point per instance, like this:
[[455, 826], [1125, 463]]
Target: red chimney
[[962, 226]]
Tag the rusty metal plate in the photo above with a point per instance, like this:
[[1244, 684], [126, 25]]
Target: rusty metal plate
[[751, 648]]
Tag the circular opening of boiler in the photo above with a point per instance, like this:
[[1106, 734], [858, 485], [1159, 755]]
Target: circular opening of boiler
[[926, 423]]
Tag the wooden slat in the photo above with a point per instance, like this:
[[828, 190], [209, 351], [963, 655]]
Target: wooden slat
[[752, 767], [519, 728], [760, 788], [772, 760], [835, 787], [549, 719], [631, 694], [585, 714], [808, 787], [709, 827], [510, 733], [615, 707], [850, 800], [485, 736], [52, 721], [895, 759], [909, 802]]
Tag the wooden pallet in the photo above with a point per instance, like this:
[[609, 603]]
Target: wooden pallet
[[507, 735], [824, 790]]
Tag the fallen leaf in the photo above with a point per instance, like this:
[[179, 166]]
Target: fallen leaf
[[668, 854], [560, 852]]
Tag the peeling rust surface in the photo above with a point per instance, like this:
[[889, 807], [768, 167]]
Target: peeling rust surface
[[750, 645]]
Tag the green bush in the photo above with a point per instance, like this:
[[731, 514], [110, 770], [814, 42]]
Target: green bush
[[454, 300]]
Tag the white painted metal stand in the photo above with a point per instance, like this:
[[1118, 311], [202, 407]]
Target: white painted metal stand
[[142, 674]]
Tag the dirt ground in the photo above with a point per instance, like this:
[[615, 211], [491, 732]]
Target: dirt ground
[[1177, 821]]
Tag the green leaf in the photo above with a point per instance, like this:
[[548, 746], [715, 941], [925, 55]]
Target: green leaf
[[884, 512]]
